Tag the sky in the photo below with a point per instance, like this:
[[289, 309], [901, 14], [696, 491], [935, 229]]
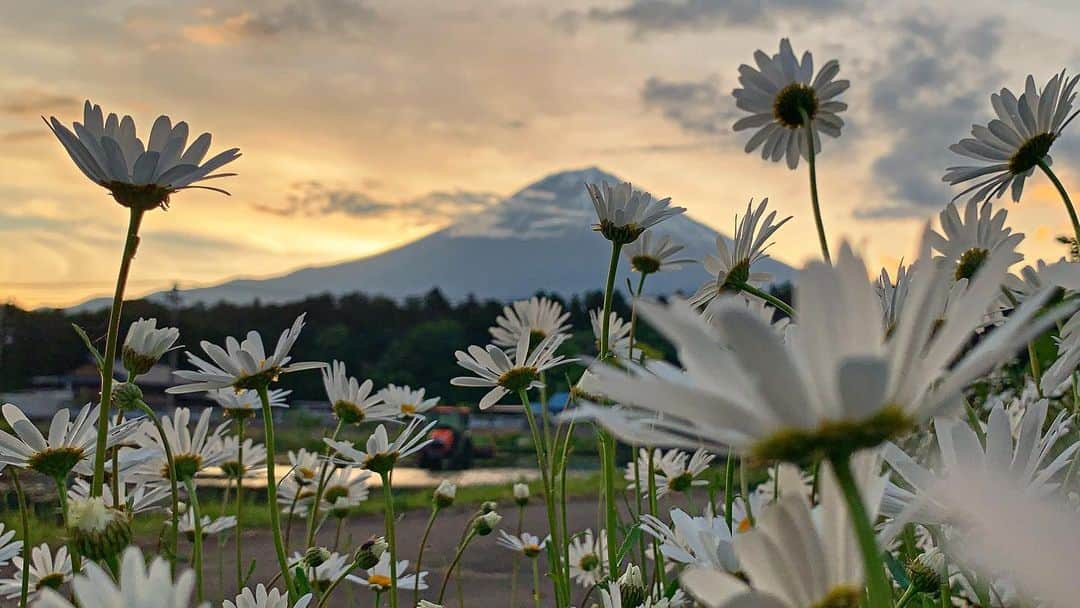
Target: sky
[[365, 124]]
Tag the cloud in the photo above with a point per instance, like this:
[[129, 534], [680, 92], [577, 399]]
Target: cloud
[[935, 81], [35, 102], [334, 17], [662, 16], [314, 199], [695, 106]]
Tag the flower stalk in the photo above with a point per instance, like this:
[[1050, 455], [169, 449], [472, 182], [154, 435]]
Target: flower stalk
[[877, 585], [131, 243], [174, 488], [814, 204], [1064, 197], [271, 490], [391, 539], [24, 521], [197, 543]]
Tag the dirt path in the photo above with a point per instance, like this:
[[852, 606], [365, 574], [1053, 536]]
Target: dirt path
[[485, 568]]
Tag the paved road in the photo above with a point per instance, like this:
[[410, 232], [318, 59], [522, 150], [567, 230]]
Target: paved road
[[485, 568]]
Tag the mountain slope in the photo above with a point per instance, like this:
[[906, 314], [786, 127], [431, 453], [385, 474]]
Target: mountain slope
[[538, 239]]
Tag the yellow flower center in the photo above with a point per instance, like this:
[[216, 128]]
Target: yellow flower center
[[408, 408], [379, 580], [744, 525]]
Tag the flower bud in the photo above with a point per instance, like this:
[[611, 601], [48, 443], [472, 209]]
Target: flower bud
[[316, 556], [632, 586], [98, 530], [521, 494], [488, 506], [145, 344], [925, 571], [127, 396], [486, 523], [445, 494], [367, 556]]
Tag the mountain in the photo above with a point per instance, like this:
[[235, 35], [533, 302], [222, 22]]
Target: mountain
[[540, 238]]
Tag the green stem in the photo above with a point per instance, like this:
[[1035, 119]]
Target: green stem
[[633, 312], [654, 510], [289, 519], [131, 243], [768, 297], [744, 491], [536, 581], [549, 495], [196, 551], [876, 583], [906, 597], [729, 490], [271, 491], [420, 553], [239, 501], [516, 567], [1064, 197], [174, 539], [611, 512], [333, 585], [453, 564], [811, 161], [388, 512], [313, 514], [61, 492], [609, 297], [24, 520]]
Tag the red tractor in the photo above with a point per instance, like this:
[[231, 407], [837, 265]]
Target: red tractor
[[451, 444]]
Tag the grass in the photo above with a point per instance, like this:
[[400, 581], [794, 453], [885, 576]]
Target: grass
[[46, 527]]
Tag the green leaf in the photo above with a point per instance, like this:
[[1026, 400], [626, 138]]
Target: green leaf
[[98, 359], [629, 541], [897, 570], [250, 571], [303, 586], [672, 587]]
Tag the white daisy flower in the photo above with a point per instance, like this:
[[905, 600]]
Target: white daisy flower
[[353, 401], [1030, 280], [614, 596], [1058, 377], [109, 153], [70, 443], [378, 577], [786, 100], [254, 457], [680, 474], [247, 400], [732, 266], [893, 295], [495, 370], [587, 555], [304, 466], [639, 468], [764, 311], [381, 454], [618, 333], [242, 365], [1032, 461], [346, 483], [406, 400], [527, 544], [47, 571], [134, 498], [702, 541], [261, 598], [967, 242], [839, 384], [193, 449], [329, 569], [647, 256], [743, 510], [294, 499], [9, 547], [794, 557], [1017, 141], [144, 344], [538, 317], [623, 213], [210, 526]]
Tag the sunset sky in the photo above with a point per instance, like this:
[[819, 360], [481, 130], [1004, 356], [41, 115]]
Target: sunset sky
[[366, 124]]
